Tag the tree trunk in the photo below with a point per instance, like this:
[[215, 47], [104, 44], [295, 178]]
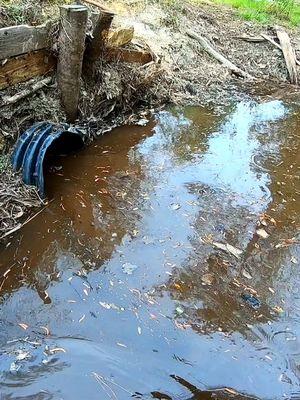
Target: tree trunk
[[97, 44]]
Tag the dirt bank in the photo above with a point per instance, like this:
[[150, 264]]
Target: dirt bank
[[183, 73]]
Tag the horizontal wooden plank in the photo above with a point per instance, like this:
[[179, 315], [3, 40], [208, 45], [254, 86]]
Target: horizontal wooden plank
[[125, 55], [21, 39], [25, 67], [22, 68]]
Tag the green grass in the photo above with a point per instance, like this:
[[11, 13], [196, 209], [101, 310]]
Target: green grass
[[267, 11], [262, 11]]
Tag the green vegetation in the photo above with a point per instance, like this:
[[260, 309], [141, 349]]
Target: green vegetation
[[263, 11], [14, 12], [267, 11]]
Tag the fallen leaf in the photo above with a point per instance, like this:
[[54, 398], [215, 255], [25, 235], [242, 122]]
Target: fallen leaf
[[121, 344], [82, 318], [246, 274], [57, 350], [228, 248], [23, 326], [207, 279], [129, 268], [262, 233], [179, 310], [278, 309]]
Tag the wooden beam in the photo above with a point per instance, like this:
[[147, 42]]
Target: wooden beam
[[21, 39], [71, 49], [129, 56], [25, 67]]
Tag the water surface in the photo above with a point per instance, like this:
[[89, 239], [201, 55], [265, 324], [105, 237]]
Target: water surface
[[118, 289]]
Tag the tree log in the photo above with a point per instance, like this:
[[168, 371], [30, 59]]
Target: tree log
[[215, 54], [71, 50]]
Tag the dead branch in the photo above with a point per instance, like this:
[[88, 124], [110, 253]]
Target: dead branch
[[275, 44], [251, 39], [218, 56], [7, 100]]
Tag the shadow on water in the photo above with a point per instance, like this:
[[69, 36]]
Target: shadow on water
[[118, 289]]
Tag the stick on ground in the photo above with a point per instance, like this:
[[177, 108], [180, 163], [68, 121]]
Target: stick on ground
[[275, 44], [218, 56], [7, 100]]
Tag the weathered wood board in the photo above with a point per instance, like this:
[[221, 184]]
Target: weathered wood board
[[21, 39], [22, 68], [25, 67], [288, 53]]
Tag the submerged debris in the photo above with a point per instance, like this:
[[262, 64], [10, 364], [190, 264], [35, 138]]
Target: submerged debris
[[251, 300]]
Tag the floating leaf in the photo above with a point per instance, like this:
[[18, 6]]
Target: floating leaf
[[228, 248], [246, 274], [262, 233], [207, 279], [23, 326], [129, 268]]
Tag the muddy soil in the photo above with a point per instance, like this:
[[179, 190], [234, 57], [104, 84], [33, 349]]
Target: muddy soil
[[166, 265]]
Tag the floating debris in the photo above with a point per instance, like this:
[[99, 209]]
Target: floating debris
[[251, 300]]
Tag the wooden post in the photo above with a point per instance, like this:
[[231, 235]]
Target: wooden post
[[71, 49], [96, 45]]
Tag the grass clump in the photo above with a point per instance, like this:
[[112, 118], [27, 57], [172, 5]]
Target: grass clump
[[267, 11], [16, 12]]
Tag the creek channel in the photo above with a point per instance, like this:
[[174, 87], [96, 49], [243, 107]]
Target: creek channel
[[122, 287]]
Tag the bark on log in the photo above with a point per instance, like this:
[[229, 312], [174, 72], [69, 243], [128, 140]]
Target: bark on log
[[25, 67], [96, 45], [288, 53], [21, 39], [215, 54], [71, 50]]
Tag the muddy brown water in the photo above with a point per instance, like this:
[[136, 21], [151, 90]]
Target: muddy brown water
[[116, 290]]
